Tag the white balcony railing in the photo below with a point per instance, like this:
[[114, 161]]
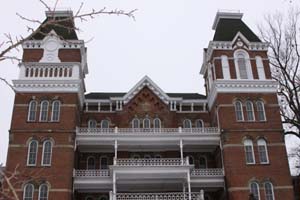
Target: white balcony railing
[[151, 162], [157, 196], [209, 172], [153, 131], [92, 173]]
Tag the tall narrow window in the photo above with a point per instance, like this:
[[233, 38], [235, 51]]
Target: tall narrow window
[[263, 151], [32, 153], [225, 67], [103, 162], [91, 163], [269, 192], [32, 111], [92, 123], [260, 68], [248, 145], [198, 123], [157, 123], [239, 111], [146, 123], [187, 123], [55, 111], [43, 192], [250, 111], [28, 192], [135, 123], [105, 124], [243, 65], [202, 162], [261, 111], [103, 198], [191, 160], [254, 190], [89, 198], [47, 153], [44, 111]]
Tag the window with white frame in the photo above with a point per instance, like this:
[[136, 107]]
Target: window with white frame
[[105, 123], [239, 111], [198, 123], [187, 123], [254, 190], [248, 146], [43, 192], [225, 67], [202, 162], [260, 68], [103, 162], [28, 192], [32, 153], [44, 111], [91, 163], [262, 151], [250, 111], [269, 191], [135, 123], [32, 111], [261, 111], [242, 65], [157, 123], [146, 123], [47, 153], [92, 123], [55, 111]]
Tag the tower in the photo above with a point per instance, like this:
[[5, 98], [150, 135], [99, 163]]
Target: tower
[[243, 103], [49, 96]]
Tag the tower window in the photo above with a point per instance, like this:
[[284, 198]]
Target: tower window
[[260, 68], [43, 192], [187, 123], [32, 153], [243, 65], [261, 111], [248, 145], [28, 192], [105, 124], [269, 192], [32, 111], [44, 111], [254, 190], [92, 123], [263, 152], [225, 67], [250, 111], [47, 153], [55, 111], [239, 111]]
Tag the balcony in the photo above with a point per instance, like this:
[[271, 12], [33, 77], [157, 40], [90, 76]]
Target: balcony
[[163, 137], [159, 196]]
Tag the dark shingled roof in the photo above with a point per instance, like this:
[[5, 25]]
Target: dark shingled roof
[[228, 28], [64, 29], [107, 95]]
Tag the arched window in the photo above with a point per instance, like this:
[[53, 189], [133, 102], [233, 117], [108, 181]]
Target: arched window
[[239, 111], [47, 153], [260, 68], [28, 192], [103, 162], [146, 123], [89, 198], [157, 156], [92, 123], [44, 111], [269, 192], [32, 153], [103, 198], [43, 192], [147, 156], [243, 65], [250, 111], [254, 190], [187, 123], [248, 145], [135, 123], [136, 156], [225, 67], [55, 111], [91, 163], [157, 123], [191, 160], [202, 162], [32, 111], [261, 111], [198, 123], [262, 151], [104, 123]]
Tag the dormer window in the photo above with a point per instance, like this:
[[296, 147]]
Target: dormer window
[[242, 65]]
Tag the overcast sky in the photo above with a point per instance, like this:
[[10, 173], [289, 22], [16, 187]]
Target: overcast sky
[[165, 42]]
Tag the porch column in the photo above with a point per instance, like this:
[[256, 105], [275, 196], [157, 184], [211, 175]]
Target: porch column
[[114, 186], [181, 151], [116, 149], [201, 194], [189, 185], [183, 189]]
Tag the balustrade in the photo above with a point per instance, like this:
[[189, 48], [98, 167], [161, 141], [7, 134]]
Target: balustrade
[[207, 172], [92, 173], [151, 162], [157, 196]]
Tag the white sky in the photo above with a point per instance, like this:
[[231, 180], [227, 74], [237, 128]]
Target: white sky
[[165, 43]]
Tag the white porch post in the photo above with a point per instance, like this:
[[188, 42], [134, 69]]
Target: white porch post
[[201, 194], [183, 190], [181, 151], [116, 149], [114, 186], [189, 185], [110, 195]]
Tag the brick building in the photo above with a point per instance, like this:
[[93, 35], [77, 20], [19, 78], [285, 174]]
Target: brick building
[[146, 143]]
